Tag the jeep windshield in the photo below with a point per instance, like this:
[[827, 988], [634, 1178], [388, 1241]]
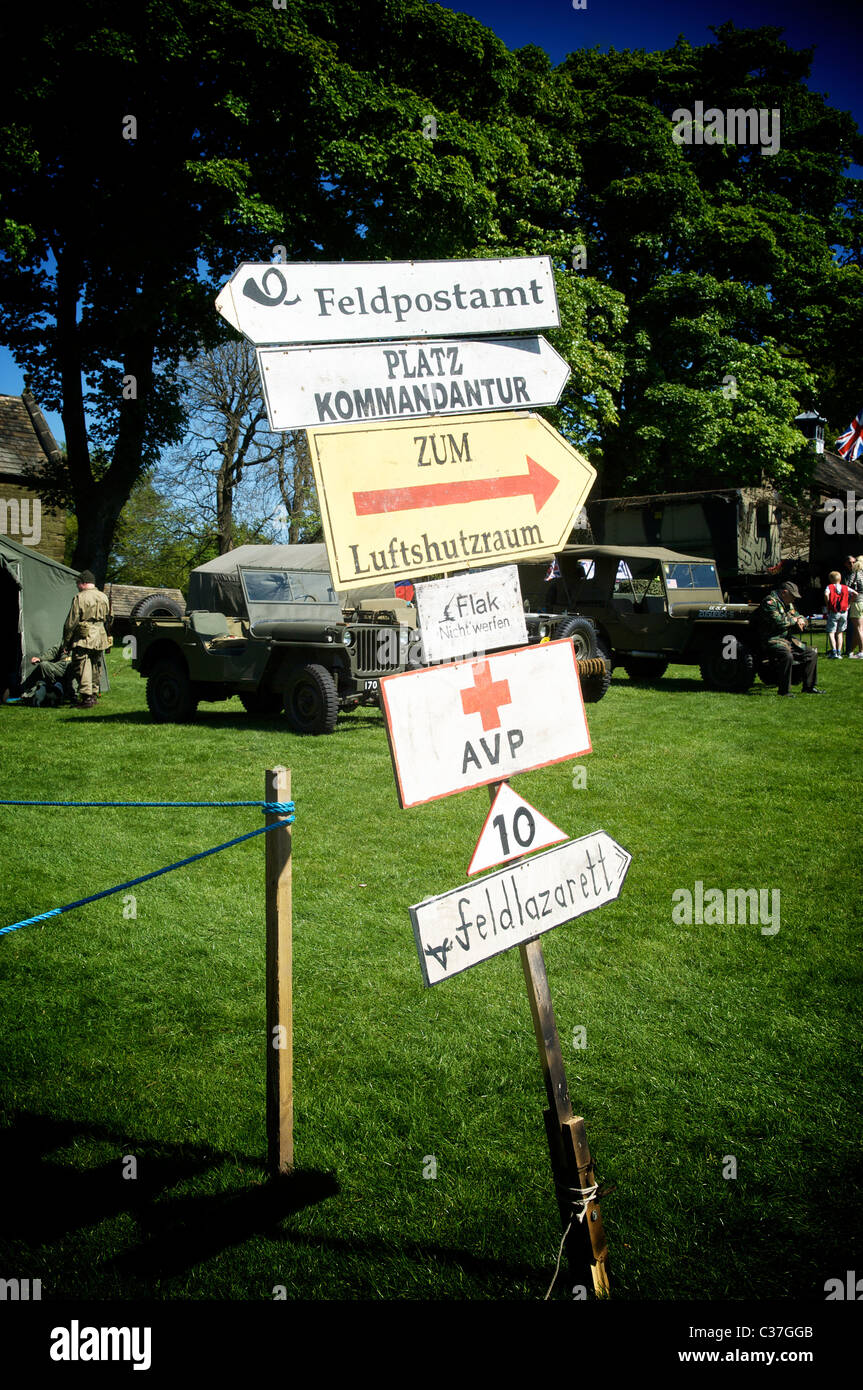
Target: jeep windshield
[[294, 595], [691, 576]]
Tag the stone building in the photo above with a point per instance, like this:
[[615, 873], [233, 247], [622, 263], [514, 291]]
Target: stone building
[[26, 443]]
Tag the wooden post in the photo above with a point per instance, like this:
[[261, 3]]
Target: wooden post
[[571, 1163], [280, 1027]]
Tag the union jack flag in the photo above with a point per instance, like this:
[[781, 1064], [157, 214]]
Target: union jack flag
[[553, 571], [850, 444]]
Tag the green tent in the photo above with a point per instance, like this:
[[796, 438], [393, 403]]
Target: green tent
[[36, 593]]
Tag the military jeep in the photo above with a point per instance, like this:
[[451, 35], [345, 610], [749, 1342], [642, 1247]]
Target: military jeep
[[263, 625], [648, 607]]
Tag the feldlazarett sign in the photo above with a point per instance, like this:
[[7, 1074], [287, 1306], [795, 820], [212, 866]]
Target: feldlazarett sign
[[352, 301]]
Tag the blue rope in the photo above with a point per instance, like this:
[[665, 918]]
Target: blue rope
[[277, 808]]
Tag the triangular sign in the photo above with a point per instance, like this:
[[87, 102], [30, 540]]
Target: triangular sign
[[513, 827]]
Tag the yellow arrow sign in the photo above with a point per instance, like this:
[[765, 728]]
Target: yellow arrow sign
[[444, 493]]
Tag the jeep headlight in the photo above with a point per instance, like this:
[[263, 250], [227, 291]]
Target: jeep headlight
[[543, 629], [347, 637]]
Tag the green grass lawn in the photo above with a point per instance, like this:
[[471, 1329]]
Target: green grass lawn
[[144, 1035]]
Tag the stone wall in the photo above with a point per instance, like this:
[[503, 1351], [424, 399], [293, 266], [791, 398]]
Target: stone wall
[[24, 523]]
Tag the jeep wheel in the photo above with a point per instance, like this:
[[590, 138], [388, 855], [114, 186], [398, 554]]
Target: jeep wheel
[[594, 687], [311, 701], [734, 673], [583, 635], [257, 702], [170, 695], [644, 668]]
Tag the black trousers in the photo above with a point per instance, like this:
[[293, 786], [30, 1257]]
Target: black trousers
[[792, 654]]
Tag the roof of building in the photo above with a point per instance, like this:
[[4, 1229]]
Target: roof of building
[[834, 474], [26, 442]]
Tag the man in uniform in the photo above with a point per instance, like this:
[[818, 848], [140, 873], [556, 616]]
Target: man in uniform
[[54, 668], [86, 637], [778, 623]]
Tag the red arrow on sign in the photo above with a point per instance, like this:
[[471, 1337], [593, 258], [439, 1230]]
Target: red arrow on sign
[[537, 482]]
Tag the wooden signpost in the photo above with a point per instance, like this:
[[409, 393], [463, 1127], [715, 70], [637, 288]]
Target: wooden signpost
[[425, 490], [280, 1026]]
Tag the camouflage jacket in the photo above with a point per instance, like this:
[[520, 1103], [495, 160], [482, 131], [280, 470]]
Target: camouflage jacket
[[85, 625], [776, 621]]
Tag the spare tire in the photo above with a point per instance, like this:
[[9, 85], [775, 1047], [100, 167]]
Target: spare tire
[[156, 606]]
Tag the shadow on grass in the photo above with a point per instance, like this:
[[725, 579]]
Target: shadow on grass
[[177, 1233], [54, 1196]]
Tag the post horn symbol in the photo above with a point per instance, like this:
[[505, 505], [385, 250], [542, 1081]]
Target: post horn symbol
[[260, 293]]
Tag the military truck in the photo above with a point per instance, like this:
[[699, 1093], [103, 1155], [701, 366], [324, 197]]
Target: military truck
[[648, 607], [266, 623], [740, 529]]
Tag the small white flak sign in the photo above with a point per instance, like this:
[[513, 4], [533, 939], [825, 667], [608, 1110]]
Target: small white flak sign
[[467, 925], [473, 722], [472, 612]]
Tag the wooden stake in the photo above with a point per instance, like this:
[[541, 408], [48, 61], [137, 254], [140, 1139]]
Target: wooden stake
[[571, 1163], [280, 1024]]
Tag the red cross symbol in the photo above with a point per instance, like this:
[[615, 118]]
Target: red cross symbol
[[484, 696]]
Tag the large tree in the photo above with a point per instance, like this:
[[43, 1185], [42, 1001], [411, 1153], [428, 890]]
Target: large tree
[[740, 269], [703, 296], [146, 149]]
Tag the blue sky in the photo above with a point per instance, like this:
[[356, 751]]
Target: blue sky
[[830, 26]]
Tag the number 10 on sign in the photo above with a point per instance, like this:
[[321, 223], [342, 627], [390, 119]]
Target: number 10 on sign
[[512, 828]]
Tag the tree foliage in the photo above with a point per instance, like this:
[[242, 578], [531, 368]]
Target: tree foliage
[[369, 129]]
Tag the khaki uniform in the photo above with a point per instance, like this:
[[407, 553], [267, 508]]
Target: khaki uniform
[[85, 636]]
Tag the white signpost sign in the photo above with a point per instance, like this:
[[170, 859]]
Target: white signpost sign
[[309, 386], [473, 722], [472, 612], [467, 925], [512, 828], [349, 301]]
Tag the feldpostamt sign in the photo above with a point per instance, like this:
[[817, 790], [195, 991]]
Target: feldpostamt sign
[[308, 386], [467, 925], [469, 723], [312, 302], [399, 500]]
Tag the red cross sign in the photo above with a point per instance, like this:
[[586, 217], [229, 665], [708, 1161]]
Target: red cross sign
[[485, 696], [468, 723]]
